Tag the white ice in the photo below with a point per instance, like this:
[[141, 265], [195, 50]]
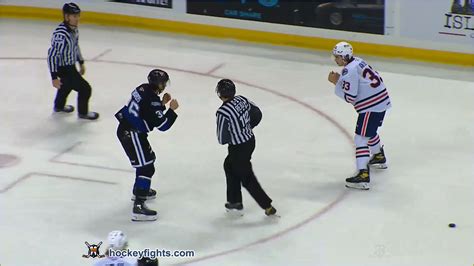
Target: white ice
[[73, 182]]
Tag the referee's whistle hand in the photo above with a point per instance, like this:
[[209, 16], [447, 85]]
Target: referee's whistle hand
[[57, 83], [82, 69]]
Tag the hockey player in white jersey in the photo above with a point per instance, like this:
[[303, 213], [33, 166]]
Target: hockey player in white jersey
[[117, 240], [361, 86]]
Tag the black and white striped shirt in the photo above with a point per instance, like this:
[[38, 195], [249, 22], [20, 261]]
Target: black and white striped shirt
[[64, 49], [235, 120]]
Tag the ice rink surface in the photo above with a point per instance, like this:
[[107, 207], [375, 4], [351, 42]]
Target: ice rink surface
[[64, 181]]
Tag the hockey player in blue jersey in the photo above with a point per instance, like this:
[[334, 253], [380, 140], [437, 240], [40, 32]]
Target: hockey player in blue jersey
[[142, 114], [361, 86]]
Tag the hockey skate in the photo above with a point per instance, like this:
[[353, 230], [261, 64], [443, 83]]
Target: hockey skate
[[141, 212], [89, 116], [234, 209], [65, 109], [379, 160], [271, 211], [360, 181], [151, 195]]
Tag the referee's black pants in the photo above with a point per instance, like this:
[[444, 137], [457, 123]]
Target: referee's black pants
[[238, 171], [71, 79]]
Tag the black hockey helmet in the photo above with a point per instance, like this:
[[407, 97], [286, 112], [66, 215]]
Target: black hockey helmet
[[71, 8], [157, 77], [225, 88]]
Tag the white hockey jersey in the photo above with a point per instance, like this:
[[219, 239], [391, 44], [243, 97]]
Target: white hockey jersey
[[115, 261], [362, 86]]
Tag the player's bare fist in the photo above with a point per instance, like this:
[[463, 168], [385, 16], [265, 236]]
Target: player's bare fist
[[174, 104], [166, 98], [57, 83], [333, 77]]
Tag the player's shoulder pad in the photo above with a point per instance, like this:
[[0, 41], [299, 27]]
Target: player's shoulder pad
[[145, 90], [350, 68], [141, 88], [361, 63]]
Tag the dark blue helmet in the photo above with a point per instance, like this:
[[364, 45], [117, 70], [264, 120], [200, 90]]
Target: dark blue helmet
[[225, 88], [71, 8], [158, 76]]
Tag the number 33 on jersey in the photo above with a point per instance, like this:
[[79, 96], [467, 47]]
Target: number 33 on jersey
[[362, 86]]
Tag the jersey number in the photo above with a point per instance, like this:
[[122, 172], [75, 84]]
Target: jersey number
[[374, 77], [346, 85], [133, 108], [245, 119]]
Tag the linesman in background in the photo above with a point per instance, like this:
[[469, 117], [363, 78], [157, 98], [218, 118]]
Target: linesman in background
[[235, 120], [62, 58]]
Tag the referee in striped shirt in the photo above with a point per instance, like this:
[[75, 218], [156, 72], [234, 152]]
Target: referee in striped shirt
[[235, 120], [62, 58]]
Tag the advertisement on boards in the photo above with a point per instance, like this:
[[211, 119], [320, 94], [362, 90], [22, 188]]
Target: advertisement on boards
[[366, 16], [448, 21]]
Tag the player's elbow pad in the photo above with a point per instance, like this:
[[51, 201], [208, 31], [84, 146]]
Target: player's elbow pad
[[170, 118], [164, 127]]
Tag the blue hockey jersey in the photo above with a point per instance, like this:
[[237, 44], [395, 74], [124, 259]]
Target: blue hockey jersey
[[146, 111]]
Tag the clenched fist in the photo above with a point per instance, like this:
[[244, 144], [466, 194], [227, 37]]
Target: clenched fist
[[333, 77], [174, 104], [57, 83], [166, 98]]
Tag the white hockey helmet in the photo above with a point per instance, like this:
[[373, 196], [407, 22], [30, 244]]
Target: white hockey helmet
[[343, 49], [117, 240]]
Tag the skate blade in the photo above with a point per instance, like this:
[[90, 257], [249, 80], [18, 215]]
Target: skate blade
[[147, 198], [234, 213], [379, 166], [273, 216], [361, 186], [144, 218], [60, 113]]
